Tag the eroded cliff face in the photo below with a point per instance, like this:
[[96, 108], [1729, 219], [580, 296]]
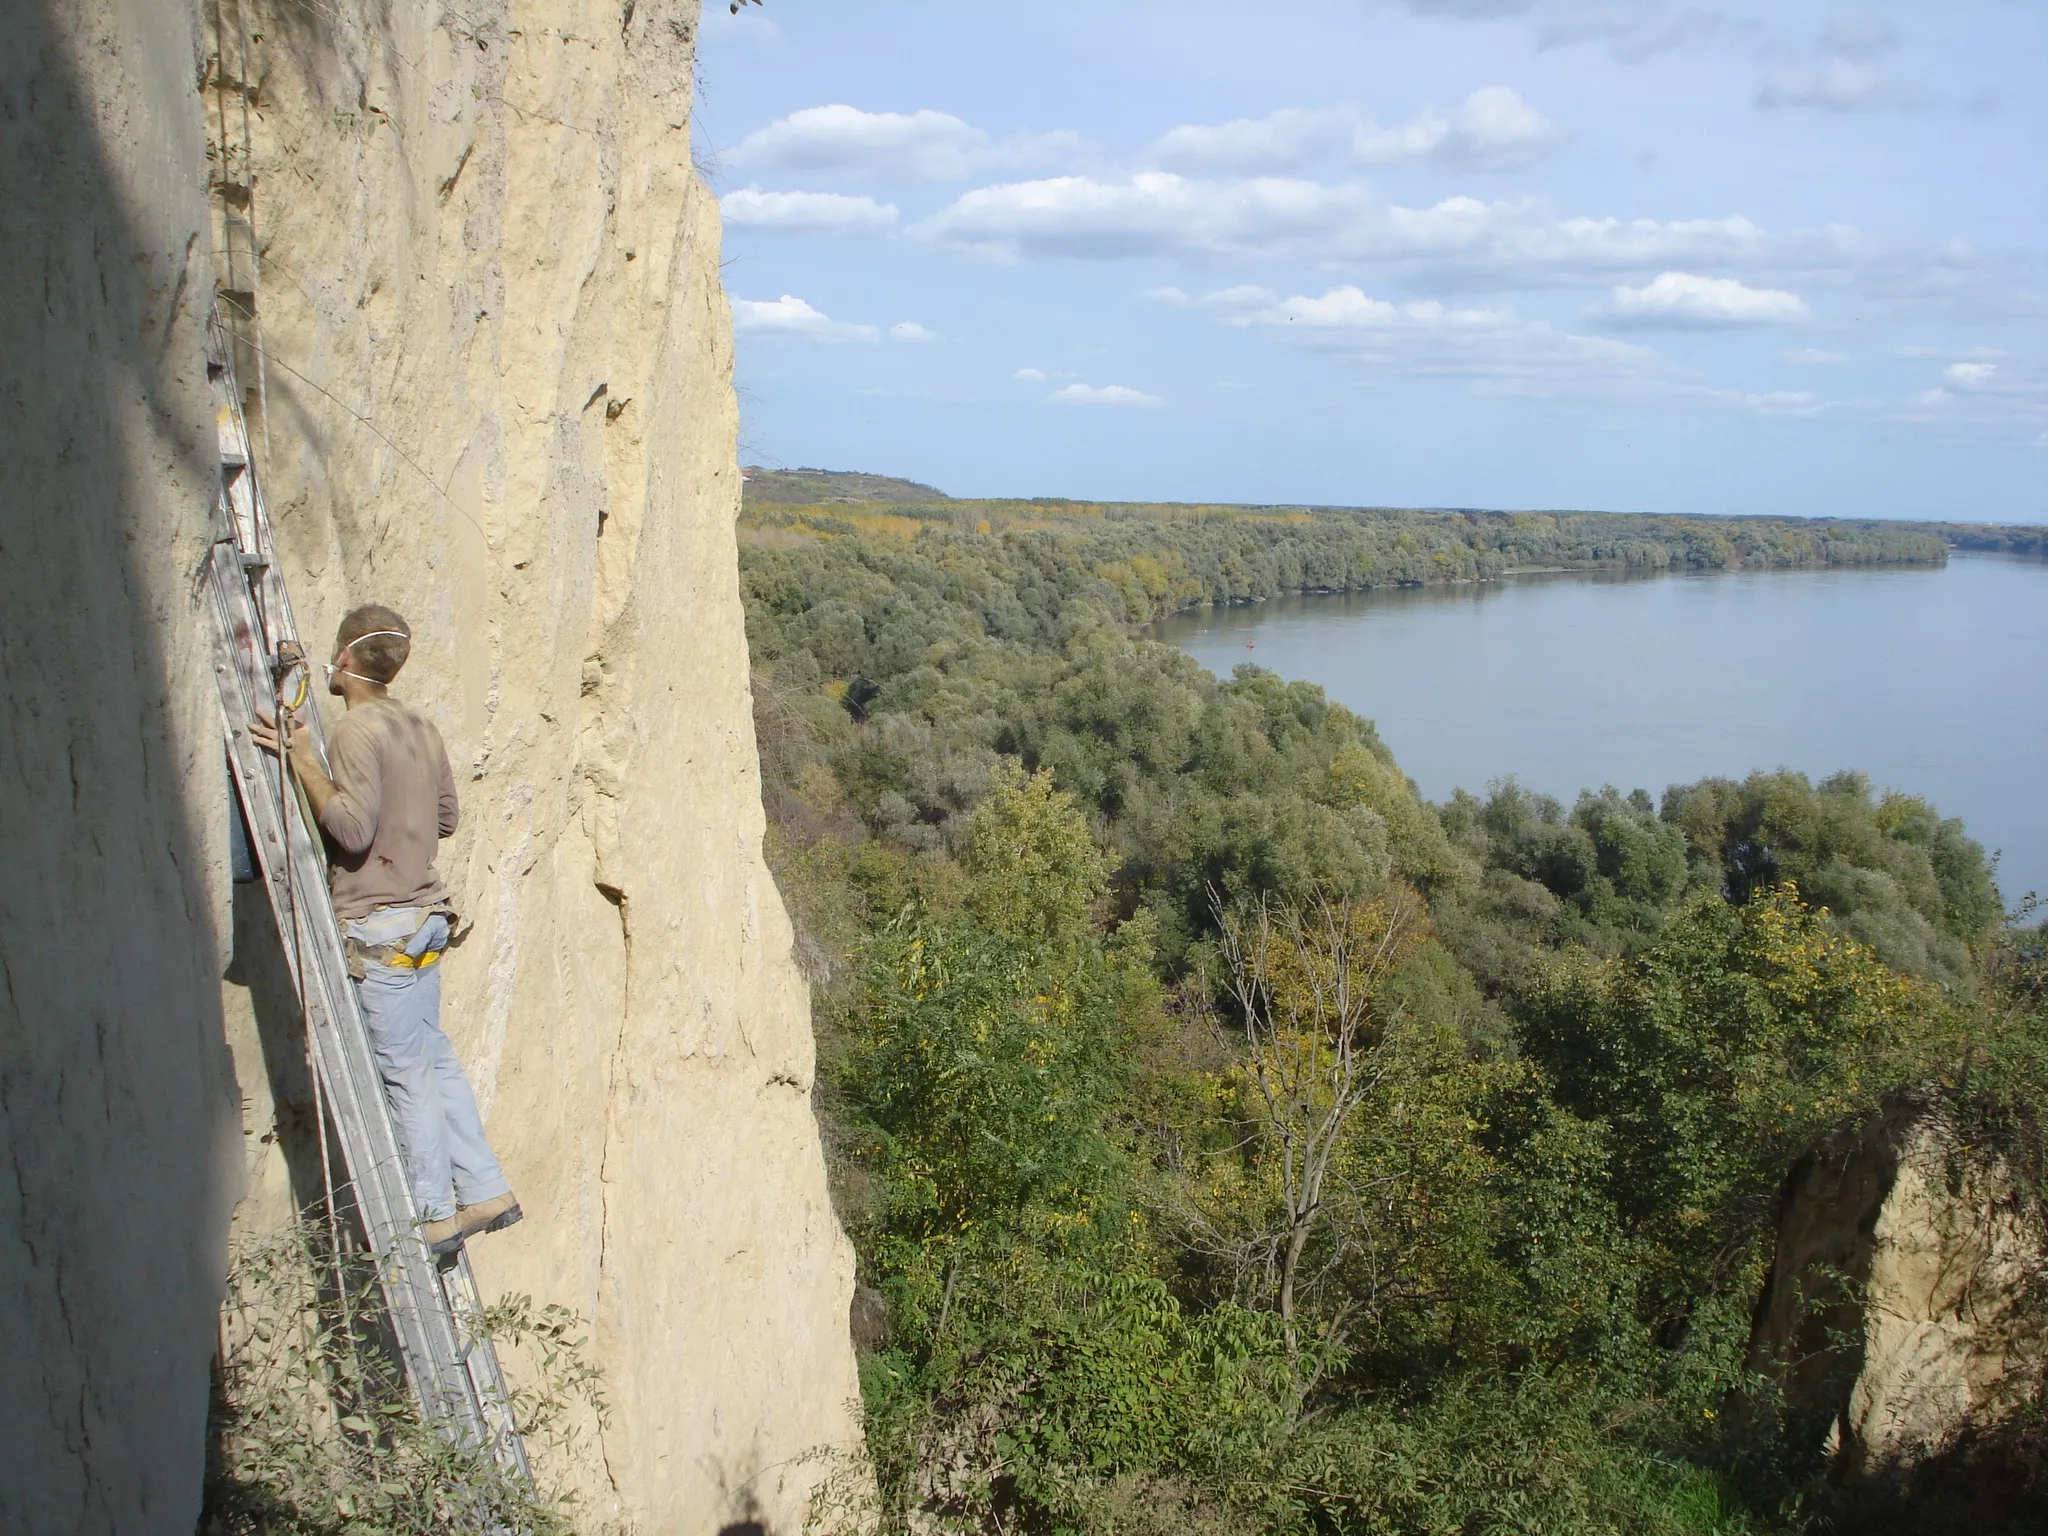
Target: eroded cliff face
[[496, 393], [493, 390], [1898, 1314]]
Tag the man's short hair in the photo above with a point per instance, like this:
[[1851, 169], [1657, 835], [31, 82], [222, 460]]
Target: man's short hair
[[390, 641]]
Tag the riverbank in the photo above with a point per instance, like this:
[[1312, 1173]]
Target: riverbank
[[1918, 676]]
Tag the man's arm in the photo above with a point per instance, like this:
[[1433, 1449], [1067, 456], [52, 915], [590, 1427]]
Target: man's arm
[[306, 765], [348, 816]]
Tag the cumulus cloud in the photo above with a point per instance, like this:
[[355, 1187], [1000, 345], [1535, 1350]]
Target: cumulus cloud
[[1281, 141], [791, 316], [1150, 214], [843, 138], [1685, 301], [1491, 344], [2002, 399], [1812, 357], [1030, 375], [925, 144], [1494, 129], [807, 211], [1106, 394], [1461, 239]]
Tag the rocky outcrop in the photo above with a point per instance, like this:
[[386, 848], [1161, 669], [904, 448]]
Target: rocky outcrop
[[489, 376], [1902, 1312]]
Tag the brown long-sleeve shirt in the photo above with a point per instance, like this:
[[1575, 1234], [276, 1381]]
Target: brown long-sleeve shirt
[[395, 801]]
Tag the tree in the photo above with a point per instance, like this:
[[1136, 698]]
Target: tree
[[1303, 983]]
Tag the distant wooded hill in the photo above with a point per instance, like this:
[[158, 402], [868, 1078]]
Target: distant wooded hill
[[784, 504], [822, 487]]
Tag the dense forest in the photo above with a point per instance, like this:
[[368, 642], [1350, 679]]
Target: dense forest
[[1234, 1142], [1152, 560]]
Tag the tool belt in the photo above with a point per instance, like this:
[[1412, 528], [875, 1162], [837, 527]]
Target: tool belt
[[393, 955]]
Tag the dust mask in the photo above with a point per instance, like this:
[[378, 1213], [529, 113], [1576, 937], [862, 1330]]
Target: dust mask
[[330, 668]]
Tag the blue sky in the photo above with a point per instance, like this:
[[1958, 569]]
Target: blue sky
[[1663, 255]]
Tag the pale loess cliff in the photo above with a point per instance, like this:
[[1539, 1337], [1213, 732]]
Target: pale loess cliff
[[494, 391]]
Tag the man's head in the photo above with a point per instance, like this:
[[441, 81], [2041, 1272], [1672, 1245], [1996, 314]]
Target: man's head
[[371, 644]]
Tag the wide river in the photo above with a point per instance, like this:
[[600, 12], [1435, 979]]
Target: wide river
[[1930, 681]]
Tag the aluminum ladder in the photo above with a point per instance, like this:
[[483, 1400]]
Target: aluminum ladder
[[432, 1305]]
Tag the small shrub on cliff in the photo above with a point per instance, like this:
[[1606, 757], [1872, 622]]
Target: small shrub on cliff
[[313, 1429]]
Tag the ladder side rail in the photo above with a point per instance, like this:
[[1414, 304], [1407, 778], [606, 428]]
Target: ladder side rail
[[480, 1360], [428, 1345]]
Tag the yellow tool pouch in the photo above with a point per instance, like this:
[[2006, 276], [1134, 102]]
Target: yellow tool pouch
[[391, 955]]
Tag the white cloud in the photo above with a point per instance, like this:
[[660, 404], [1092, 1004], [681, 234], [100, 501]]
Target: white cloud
[[843, 138], [806, 211], [791, 316], [1464, 240], [924, 144], [1491, 344], [1686, 301], [1107, 394], [1241, 296], [1812, 357], [2004, 399], [1494, 129], [1152, 213], [1283, 141], [911, 331], [1030, 375], [1374, 145]]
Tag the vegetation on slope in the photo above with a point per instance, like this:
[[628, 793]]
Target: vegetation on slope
[[1233, 1141]]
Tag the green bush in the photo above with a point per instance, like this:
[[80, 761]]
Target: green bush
[[314, 1431]]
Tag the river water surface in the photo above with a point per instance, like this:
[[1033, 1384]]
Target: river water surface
[[1930, 681]]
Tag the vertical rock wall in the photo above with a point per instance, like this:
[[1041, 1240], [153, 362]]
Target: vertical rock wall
[[117, 1115], [493, 389], [496, 392]]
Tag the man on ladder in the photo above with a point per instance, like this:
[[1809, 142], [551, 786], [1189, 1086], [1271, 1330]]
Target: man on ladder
[[386, 808]]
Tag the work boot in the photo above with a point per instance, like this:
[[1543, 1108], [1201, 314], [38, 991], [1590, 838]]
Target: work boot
[[492, 1215], [443, 1237]]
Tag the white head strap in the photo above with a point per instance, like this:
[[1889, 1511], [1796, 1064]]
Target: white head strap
[[397, 634]]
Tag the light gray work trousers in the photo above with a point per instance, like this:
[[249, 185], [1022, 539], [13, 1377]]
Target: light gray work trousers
[[440, 1132]]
